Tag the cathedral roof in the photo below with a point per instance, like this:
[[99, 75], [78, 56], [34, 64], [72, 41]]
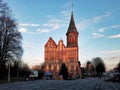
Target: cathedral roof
[[72, 27], [50, 40], [61, 41]]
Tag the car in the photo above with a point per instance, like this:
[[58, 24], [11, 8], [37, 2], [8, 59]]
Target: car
[[33, 74], [48, 75]]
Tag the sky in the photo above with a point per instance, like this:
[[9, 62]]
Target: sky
[[97, 22]]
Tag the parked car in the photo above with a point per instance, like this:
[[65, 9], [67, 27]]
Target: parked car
[[33, 74], [48, 75], [112, 75], [116, 76]]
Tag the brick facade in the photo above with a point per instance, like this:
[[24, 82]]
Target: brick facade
[[56, 54]]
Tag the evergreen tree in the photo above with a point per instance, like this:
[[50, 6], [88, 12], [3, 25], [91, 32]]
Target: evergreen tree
[[64, 71]]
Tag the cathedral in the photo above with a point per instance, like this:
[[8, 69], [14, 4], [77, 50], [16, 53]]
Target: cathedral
[[56, 54]]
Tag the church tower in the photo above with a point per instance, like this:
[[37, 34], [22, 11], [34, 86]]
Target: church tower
[[72, 33], [56, 54]]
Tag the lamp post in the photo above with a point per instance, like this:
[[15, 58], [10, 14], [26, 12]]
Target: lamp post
[[9, 72], [8, 66]]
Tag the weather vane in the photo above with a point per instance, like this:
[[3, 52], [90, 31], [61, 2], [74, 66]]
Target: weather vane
[[72, 5]]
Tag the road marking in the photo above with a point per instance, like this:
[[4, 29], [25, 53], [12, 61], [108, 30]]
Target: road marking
[[114, 86]]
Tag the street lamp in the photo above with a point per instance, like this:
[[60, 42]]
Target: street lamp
[[8, 65]]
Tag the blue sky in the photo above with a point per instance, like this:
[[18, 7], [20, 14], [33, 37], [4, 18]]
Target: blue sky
[[97, 21]]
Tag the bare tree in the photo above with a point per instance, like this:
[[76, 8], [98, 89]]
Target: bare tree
[[10, 37], [118, 67]]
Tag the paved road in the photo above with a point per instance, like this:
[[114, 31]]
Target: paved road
[[80, 84]]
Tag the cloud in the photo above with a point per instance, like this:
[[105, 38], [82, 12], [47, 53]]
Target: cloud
[[53, 19], [34, 25], [96, 35], [23, 24], [67, 9], [109, 28], [68, 4], [115, 57], [54, 26], [22, 30], [28, 24], [49, 27], [85, 23], [66, 13], [29, 46], [97, 19], [101, 29], [82, 25], [115, 36], [43, 30], [115, 26], [111, 58], [111, 53]]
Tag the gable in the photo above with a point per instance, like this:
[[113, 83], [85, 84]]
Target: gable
[[50, 43]]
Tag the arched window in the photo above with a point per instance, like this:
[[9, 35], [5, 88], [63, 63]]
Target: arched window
[[58, 67], [74, 67], [52, 67], [47, 67]]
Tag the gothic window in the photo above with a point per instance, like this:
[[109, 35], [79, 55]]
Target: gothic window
[[60, 43], [60, 47], [47, 67], [51, 44], [48, 44], [58, 67], [57, 60], [69, 67], [74, 38], [74, 67], [71, 39], [52, 67]]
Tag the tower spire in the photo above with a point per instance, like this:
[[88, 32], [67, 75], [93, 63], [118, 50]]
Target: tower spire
[[72, 27], [72, 7], [72, 33]]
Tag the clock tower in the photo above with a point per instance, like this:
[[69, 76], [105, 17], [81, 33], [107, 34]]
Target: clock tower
[[72, 34], [56, 54]]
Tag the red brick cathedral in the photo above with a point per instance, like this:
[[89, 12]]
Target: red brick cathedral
[[56, 54]]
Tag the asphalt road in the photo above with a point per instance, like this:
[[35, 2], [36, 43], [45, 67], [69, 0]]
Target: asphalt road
[[79, 84]]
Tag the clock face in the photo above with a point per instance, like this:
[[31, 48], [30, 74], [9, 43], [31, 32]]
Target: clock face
[[71, 35]]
